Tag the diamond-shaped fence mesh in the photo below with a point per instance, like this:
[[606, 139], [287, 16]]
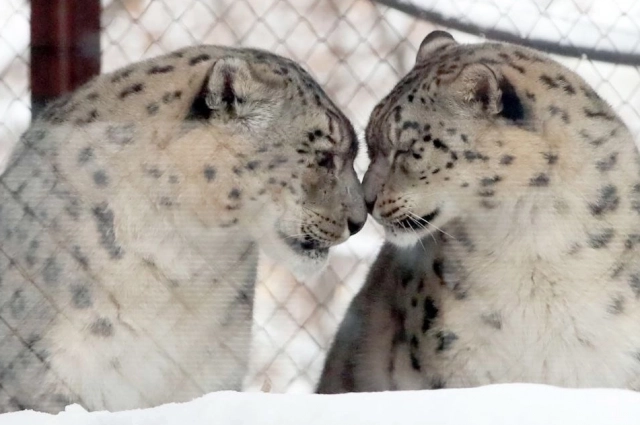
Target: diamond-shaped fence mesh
[[357, 50], [14, 71]]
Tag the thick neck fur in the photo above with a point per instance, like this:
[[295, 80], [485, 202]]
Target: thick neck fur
[[564, 203]]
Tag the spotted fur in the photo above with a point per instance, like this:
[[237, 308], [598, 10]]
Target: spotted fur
[[131, 215], [509, 193]]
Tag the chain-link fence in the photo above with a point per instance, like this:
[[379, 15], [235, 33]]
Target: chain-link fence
[[14, 72], [357, 50]]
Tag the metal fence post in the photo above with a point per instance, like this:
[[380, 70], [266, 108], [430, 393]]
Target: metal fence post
[[65, 47]]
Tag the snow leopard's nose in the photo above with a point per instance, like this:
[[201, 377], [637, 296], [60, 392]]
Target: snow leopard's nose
[[370, 205]]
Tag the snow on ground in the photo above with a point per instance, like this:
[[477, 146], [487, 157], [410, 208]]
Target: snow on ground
[[512, 404]]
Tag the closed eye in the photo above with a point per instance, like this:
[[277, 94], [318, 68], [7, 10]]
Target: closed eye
[[402, 152]]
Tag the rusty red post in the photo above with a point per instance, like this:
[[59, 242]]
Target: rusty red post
[[65, 47]]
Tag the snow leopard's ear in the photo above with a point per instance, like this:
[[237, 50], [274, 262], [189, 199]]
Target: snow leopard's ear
[[432, 42], [235, 89], [478, 87]]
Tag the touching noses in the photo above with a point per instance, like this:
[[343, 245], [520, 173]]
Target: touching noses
[[357, 211], [370, 203]]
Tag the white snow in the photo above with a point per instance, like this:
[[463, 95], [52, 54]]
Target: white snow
[[512, 404]]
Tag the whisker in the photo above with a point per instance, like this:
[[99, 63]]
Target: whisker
[[412, 217], [435, 227]]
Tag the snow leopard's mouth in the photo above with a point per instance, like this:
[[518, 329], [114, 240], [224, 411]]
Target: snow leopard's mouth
[[306, 245]]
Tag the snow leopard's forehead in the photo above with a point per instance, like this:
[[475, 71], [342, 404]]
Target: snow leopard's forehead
[[420, 88]]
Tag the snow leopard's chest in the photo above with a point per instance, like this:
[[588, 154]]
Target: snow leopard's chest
[[536, 325]]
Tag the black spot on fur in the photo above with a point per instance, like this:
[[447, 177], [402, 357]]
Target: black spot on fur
[[405, 277], [135, 88], [541, 180], [82, 259], [92, 116], [616, 306], [100, 178], [601, 239], [548, 81], [598, 114], [252, 165], [438, 268], [414, 342], [608, 163], [169, 97], [555, 111], [81, 296], [512, 108], [550, 157], [506, 159], [325, 159], [415, 362], [438, 144], [105, 221], [153, 172], [632, 241], [490, 181], [51, 271], [120, 134], [634, 283], [438, 384], [157, 69], [618, 269], [17, 303], [209, 173], [199, 59], [493, 320], [121, 75], [608, 200], [234, 194], [101, 327], [410, 124], [445, 340], [85, 155], [594, 141], [473, 155], [430, 313], [153, 108]]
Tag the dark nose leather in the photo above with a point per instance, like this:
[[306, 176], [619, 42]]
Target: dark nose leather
[[370, 205]]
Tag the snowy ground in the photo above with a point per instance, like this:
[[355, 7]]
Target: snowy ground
[[514, 404], [357, 51]]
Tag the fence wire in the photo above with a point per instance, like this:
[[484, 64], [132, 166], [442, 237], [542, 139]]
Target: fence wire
[[14, 72], [357, 50]]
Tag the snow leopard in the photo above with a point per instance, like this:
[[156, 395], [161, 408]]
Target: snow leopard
[[132, 213], [509, 193]]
